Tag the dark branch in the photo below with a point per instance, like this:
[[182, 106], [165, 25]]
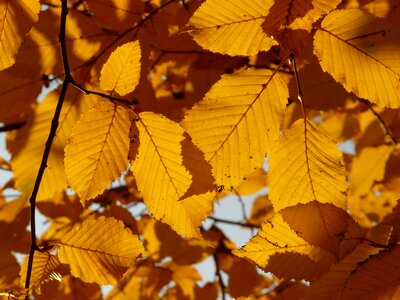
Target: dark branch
[[219, 276], [9, 127], [52, 134], [249, 225], [385, 128]]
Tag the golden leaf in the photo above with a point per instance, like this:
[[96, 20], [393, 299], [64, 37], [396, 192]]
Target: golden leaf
[[358, 50], [220, 28], [97, 151], [238, 108], [16, 19], [277, 248], [323, 225], [43, 269], [305, 166], [27, 147], [163, 179], [121, 72], [99, 250], [367, 168]]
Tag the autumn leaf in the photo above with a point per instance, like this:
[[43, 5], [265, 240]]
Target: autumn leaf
[[368, 168], [16, 19], [238, 107], [218, 28], [163, 179], [121, 72], [357, 50], [44, 268], [276, 248], [305, 166], [97, 151], [99, 250]]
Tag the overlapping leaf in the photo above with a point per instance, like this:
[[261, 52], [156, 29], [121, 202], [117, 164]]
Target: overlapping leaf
[[277, 248], [16, 19], [163, 179], [232, 27], [99, 250], [121, 72], [305, 166], [368, 168], [237, 123], [97, 151], [43, 269], [28, 145], [360, 51], [331, 284]]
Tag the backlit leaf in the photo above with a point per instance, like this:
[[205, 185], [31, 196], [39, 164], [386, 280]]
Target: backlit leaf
[[97, 151], [367, 168], [358, 50], [43, 269], [305, 166], [277, 248], [375, 278], [16, 19], [238, 108], [232, 27], [330, 285], [28, 145], [99, 250], [121, 72], [162, 178]]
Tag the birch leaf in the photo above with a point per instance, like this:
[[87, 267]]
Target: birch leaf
[[361, 52], [16, 19], [121, 72], [43, 269], [238, 108], [368, 167], [161, 176], [277, 248], [305, 166], [99, 250], [231, 27], [97, 152]]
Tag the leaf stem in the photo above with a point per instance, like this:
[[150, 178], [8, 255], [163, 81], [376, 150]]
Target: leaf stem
[[52, 134], [293, 65], [382, 123], [249, 225]]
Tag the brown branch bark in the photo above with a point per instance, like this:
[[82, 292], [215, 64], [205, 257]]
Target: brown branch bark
[[53, 129]]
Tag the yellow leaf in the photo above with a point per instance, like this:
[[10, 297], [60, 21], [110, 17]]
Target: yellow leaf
[[16, 19], [9, 269], [27, 147], [375, 278], [232, 27], [360, 51], [162, 177], [185, 277], [368, 168], [99, 250], [97, 151], [243, 278], [237, 109], [43, 269], [261, 210], [121, 72], [323, 225], [277, 248], [330, 285], [305, 166]]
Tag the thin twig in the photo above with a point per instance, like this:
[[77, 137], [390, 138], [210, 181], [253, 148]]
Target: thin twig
[[249, 225], [52, 134], [12, 126], [382, 123], [219, 275]]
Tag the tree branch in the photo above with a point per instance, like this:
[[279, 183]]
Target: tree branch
[[219, 276], [12, 126], [52, 134], [249, 225]]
